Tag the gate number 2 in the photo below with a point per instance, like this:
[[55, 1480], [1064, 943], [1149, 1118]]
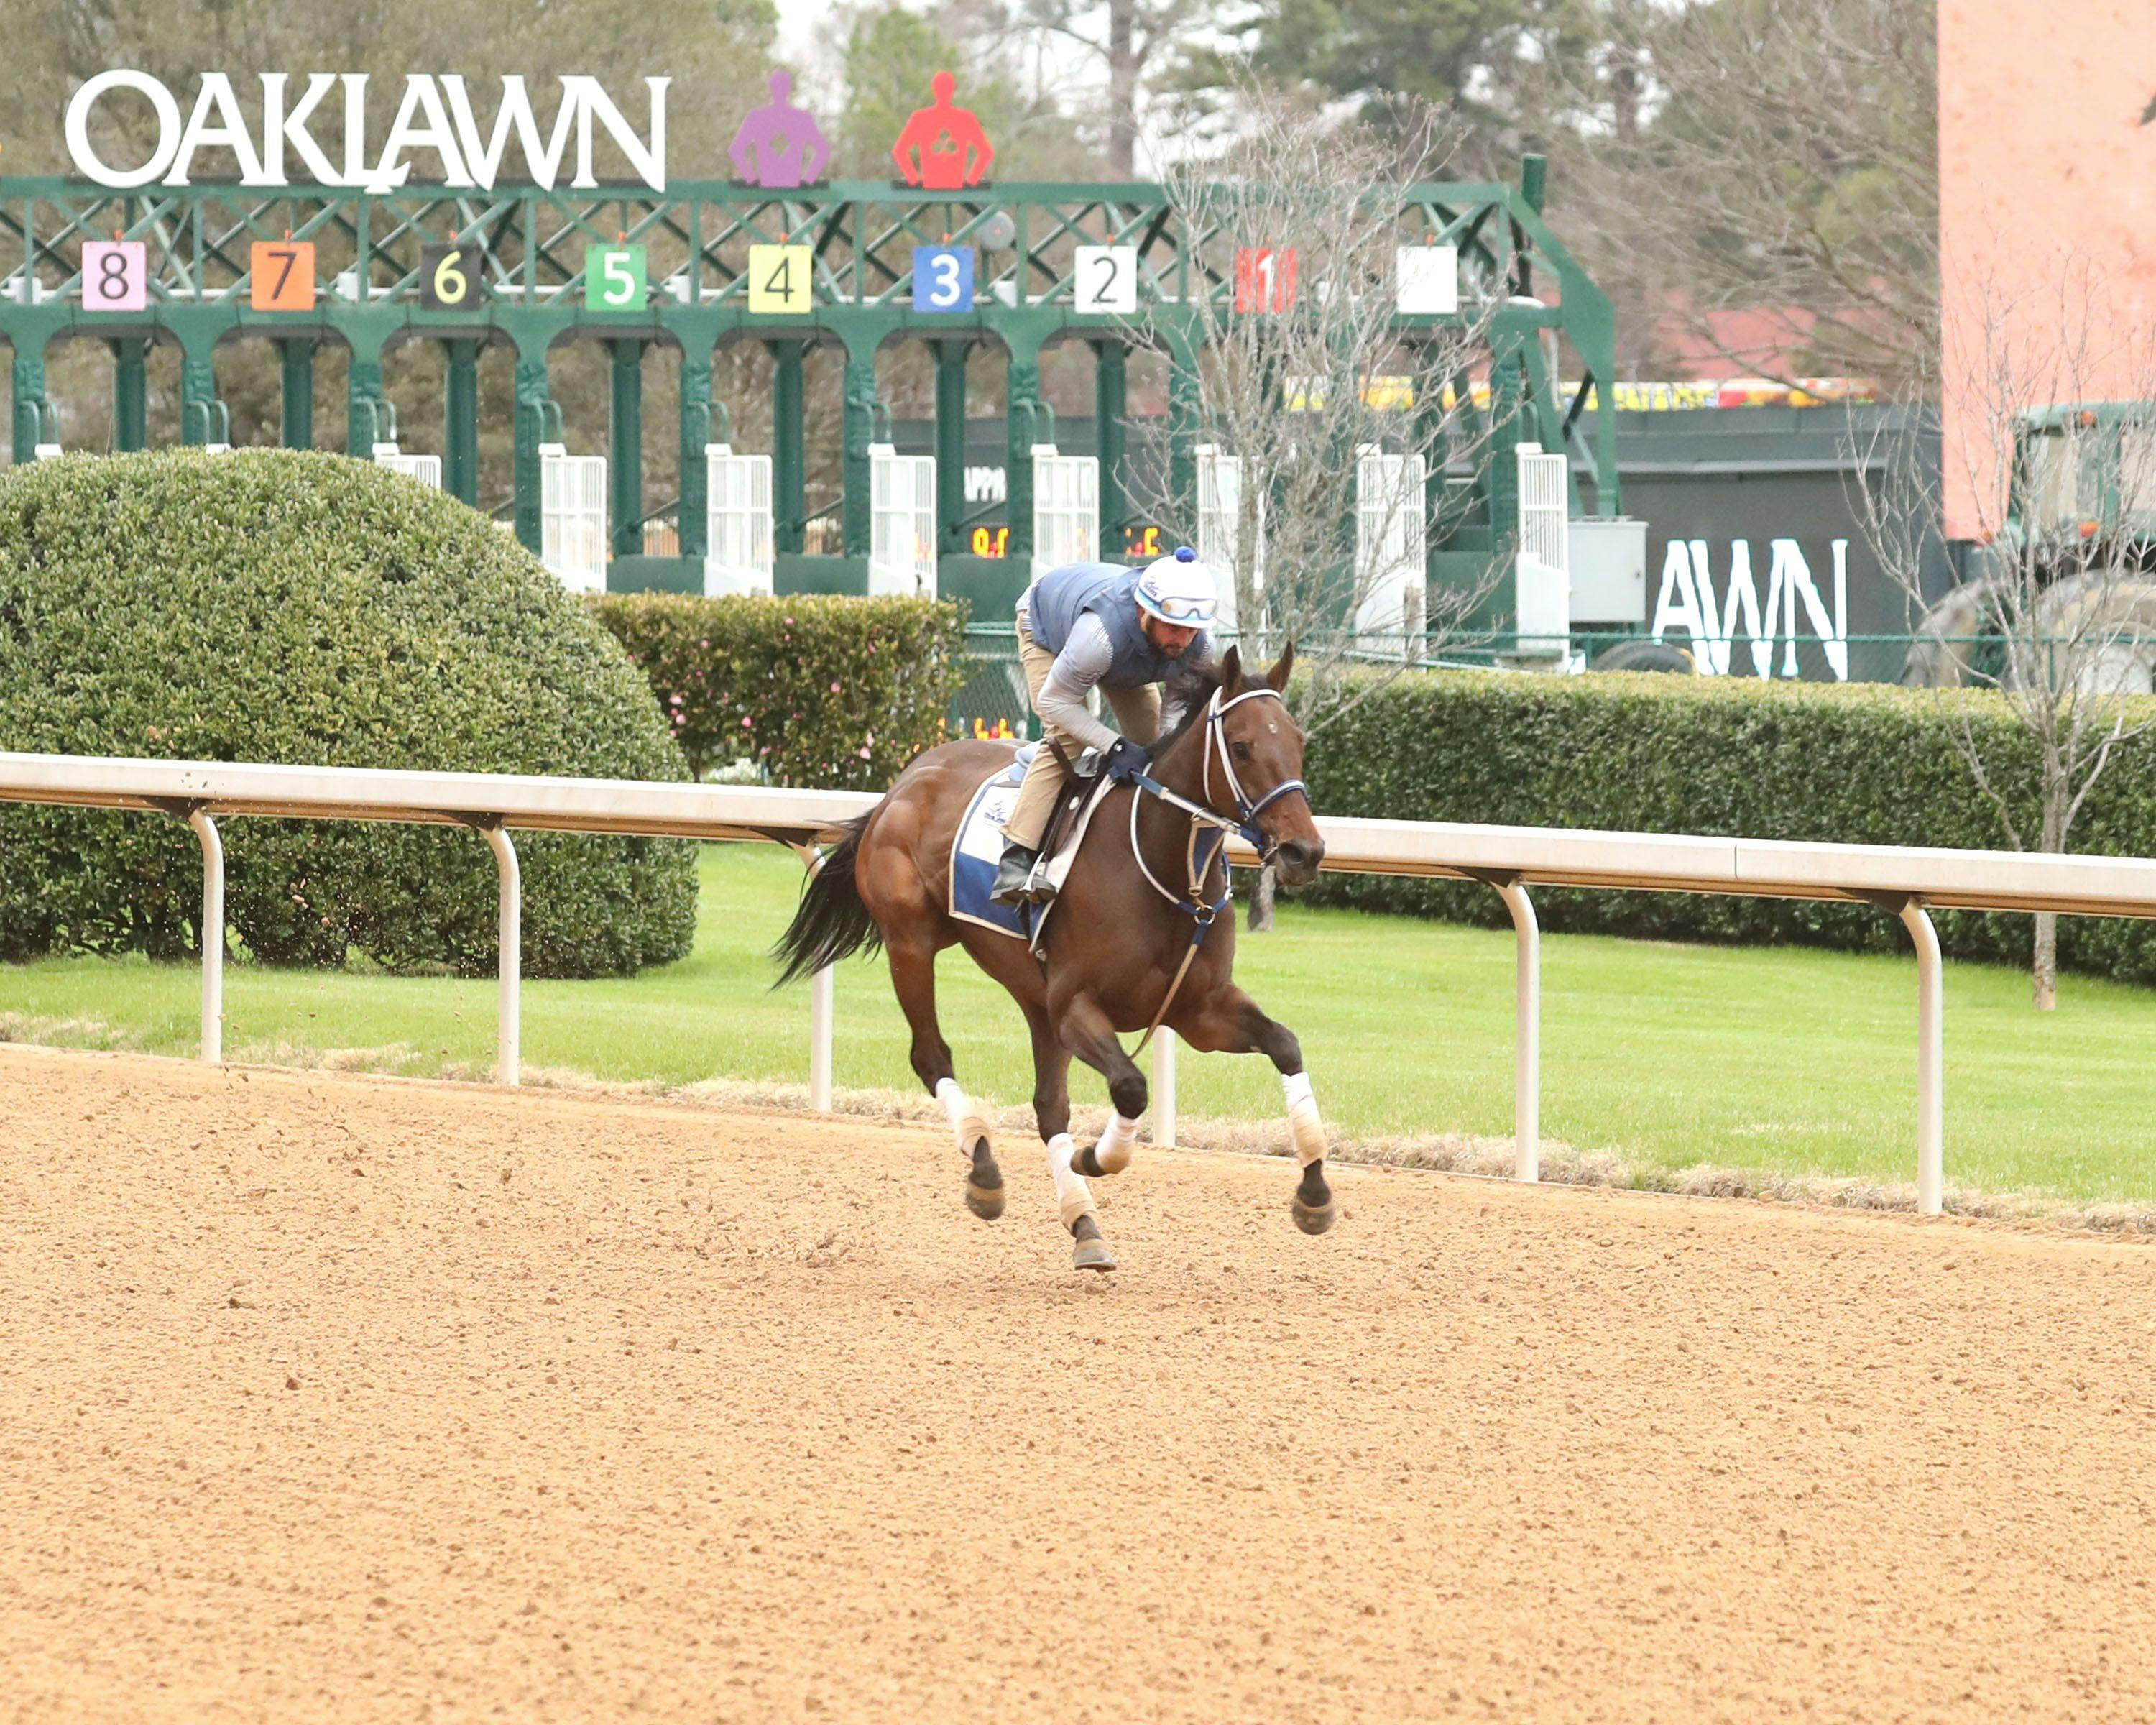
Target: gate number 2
[[1104, 280]]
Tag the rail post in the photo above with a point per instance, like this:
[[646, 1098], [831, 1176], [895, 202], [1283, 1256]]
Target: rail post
[[211, 931], [509, 1034], [1164, 1086], [1931, 1046], [1527, 1025], [823, 1010], [1931, 1060], [213, 936], [822, 1014]]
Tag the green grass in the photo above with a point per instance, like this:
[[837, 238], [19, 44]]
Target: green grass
[[1791, 1061]]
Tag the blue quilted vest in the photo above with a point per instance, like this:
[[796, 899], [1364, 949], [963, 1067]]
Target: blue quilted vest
[[1054, 603]]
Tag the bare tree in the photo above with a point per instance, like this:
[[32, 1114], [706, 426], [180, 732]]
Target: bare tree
[[1773, 160], [1323, 429], [1129, 38], [2059, 622]]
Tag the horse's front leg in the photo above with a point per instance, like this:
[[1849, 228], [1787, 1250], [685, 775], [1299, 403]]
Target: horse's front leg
[[1230, 1022], [1082, 1028]]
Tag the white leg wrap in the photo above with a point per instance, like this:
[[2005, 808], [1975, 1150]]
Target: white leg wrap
[[1303, 1125], [1113, 1152], [968, 1124], [1072, 1198]]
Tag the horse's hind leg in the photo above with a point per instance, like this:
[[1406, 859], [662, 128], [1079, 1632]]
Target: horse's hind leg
[[1051, 1110], [1230, 1022], [913, 978]]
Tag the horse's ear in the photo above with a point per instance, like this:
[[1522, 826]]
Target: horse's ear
[[1231, 669], [1277, 676]]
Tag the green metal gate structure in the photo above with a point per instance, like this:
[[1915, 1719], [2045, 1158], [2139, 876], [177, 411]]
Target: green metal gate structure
[[529, 249]]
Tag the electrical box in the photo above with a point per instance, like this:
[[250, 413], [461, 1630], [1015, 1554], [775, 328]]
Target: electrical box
[[1608, 560]]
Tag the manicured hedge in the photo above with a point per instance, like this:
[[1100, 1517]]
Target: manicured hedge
[[1865, 764], [835, 693], [283, 607]]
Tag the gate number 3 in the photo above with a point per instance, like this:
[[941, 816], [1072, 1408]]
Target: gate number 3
[[943, 278]]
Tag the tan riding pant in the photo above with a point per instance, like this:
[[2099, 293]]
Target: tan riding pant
[[1137, 711]]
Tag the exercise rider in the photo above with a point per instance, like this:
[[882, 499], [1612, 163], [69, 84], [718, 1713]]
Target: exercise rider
[[1105, 626]]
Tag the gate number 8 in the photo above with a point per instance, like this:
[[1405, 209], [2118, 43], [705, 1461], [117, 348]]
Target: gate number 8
[[115, 276]]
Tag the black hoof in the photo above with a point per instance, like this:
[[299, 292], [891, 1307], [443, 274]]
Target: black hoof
[[984, 1185], [1091, 1252], [1312, 1219]]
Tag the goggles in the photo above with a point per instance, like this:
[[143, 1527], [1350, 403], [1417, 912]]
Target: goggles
[[1177, 609]]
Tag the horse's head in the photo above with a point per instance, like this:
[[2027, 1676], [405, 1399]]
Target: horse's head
[[1254, 765]]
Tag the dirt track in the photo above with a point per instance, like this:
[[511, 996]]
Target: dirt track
[[340, 1399]]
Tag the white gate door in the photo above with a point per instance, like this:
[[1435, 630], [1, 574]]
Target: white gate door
[[1067, 509], [572, 517], [1390, 544], [1219, 519], [425, 469], [902, 523], [737, 546], [1543, 571]]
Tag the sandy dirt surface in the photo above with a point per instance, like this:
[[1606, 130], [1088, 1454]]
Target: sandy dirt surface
[[338, 1398]]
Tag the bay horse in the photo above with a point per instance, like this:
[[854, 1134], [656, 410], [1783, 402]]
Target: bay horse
[[1135, 940]]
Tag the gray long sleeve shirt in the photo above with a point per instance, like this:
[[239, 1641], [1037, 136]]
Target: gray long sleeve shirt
[[1085, 659]]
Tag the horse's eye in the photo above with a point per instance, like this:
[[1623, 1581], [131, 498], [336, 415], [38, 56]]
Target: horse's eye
[[1242, 750]]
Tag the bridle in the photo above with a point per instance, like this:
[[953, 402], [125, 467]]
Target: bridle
[[1199, 855], [1216, 740]]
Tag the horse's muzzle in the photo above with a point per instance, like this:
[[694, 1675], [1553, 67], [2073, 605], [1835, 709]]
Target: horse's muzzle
[[1296, 859]]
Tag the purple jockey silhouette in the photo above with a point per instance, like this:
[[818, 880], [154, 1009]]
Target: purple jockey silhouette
[[943, 147], [779, 145]]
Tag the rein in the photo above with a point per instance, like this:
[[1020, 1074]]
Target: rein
[[1191, 901]]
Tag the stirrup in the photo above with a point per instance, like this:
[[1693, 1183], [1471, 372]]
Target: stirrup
[[1005, 890]]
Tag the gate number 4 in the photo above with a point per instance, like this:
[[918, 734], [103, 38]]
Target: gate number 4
[[782, 279]]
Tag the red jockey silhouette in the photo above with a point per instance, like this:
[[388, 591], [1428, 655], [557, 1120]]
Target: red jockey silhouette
[[942, 148]]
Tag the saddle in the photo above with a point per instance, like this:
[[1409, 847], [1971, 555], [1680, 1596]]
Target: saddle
[[1081, 782], [978, 845]]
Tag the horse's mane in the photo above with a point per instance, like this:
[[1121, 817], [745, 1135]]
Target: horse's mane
[[1183, 704]]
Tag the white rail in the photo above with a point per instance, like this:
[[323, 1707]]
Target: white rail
[[1900, 880]]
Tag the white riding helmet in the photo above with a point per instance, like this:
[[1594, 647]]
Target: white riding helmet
[[1179, 590]]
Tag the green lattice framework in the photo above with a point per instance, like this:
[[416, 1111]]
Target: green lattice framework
[[697, 236]]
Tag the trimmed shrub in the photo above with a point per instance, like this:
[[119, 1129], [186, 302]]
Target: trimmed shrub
[[1860, 764], [278, 606], [835, 693]]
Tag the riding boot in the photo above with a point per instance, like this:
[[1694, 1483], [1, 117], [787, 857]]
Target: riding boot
[[1012, 873]]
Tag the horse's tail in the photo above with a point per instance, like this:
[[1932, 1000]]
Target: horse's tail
[[831, 922]]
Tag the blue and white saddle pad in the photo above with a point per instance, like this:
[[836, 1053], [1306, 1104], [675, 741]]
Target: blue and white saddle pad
[[979, 847]]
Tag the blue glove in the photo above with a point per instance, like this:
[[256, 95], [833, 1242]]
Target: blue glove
[[1126, 760]]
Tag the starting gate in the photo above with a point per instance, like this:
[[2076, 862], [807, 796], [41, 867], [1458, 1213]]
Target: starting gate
[[1220, 506], [572, 517], [1390, 559], [1542, 577], [739, 557], [1067, 509], [902, 523], [425, 469]]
